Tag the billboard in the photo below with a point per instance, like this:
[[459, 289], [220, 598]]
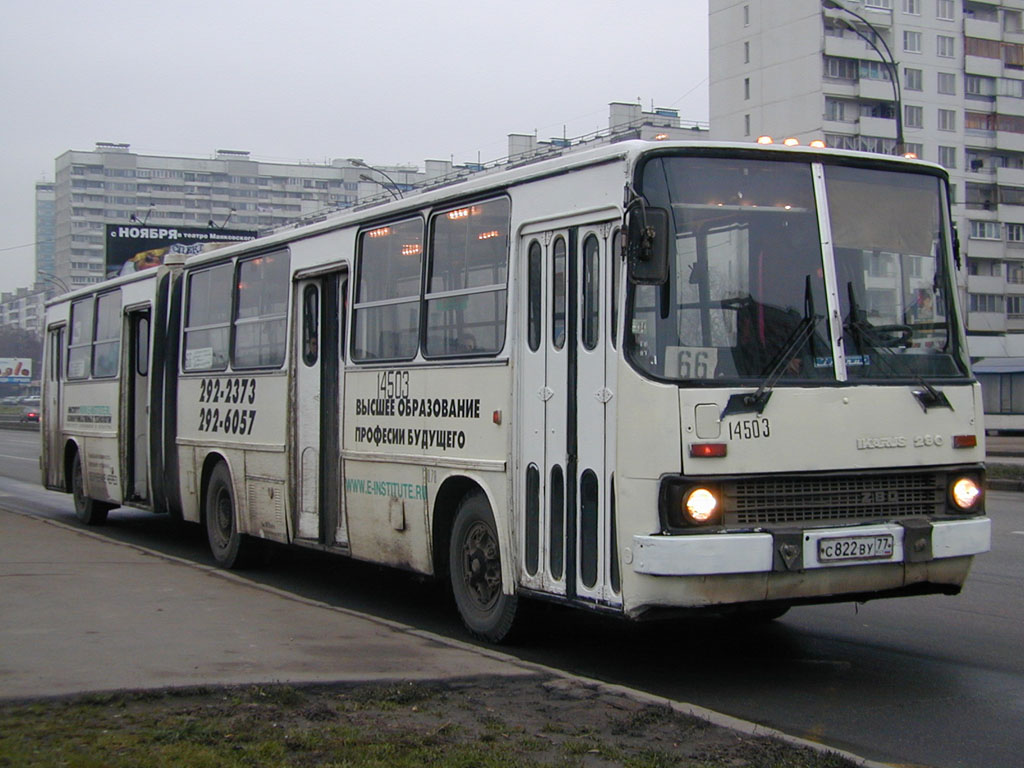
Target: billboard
[[15, 370], [133, 247]]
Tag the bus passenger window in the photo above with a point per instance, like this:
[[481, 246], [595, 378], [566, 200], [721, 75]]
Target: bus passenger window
[[558, 293], [80, 342], [261, 317], [310, 324], [386, 316], [534, 312], [142, 346], [208, 319], [466, 291], [591, 292], [107, 347]]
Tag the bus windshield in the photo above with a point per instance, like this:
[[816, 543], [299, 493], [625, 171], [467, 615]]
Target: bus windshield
[[745, 298]]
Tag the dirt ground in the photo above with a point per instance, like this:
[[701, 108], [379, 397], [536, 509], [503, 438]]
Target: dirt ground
[[476, 722]]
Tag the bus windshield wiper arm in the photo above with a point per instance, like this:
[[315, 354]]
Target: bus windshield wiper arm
[[754, 402]]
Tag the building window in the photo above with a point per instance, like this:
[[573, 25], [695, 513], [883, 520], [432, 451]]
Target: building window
[[835, 110], [945, 46], [912, 6], [746, 15], [746, 125], [911, 41], [886, 4], [984, 230], [1012, 21], [985, 49], [944, 10], [841, 69], [946, 83], [914, 149], [1015, 233], [874, 70], [746, 89], [912, 79], [947, 157], [746, 52], [913, 117], [986, 302], [979, 121], [980, 87], [947, 120]]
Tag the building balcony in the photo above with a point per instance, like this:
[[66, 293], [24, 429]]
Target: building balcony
[[980, 322], [986, 284], [882, 127], [978, 65], [877, 90], [987, 30], [1009, 105], [983, 249], [1012, 142], [1013, 177], [849, 48]]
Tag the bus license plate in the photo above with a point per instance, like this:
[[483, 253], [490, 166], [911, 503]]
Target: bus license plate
[[839, 548]]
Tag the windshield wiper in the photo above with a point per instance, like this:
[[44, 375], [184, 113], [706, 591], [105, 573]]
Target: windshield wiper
[[862, 331], [754, 402]]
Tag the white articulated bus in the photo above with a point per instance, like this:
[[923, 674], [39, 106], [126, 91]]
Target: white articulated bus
[[645, 378]]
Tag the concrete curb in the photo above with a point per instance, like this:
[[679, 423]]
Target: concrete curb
[[711, 716]]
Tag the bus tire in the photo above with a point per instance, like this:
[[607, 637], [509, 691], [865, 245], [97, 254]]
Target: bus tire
[[228, 546], [475, 572], [89, 511]]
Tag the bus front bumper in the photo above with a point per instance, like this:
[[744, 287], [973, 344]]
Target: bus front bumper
[[912, 541]]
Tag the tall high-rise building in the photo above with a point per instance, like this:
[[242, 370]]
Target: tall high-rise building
[[46, 206], [824, 69]]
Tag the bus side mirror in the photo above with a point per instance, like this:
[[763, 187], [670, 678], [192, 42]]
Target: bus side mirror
[[647, 235]]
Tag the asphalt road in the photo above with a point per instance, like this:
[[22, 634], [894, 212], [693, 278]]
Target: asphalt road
[[935, 681]]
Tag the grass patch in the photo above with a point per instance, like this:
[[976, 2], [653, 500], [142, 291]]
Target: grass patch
[[502, 723]]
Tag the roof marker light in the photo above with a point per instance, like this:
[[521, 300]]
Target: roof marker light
[[791, 142], [765, 140], [818, 144], [910, 155]]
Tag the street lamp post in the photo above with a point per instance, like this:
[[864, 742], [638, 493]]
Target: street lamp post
[[887, 59], [360, 164]]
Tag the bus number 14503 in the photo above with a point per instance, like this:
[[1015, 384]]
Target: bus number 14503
[[749, 429]]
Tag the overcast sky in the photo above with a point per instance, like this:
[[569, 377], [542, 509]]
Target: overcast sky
[[309, 80]]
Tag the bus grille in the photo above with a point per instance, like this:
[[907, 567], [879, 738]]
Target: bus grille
[[799, 499]]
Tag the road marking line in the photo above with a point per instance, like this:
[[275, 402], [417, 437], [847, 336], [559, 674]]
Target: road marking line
[[17, 458]]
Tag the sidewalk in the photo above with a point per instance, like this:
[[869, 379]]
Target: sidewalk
[[81, 613], [1007, 450], [85, 614]]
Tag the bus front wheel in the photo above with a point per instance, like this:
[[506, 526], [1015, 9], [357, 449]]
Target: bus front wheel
[[229, 547], [475, 572], [89, 511]]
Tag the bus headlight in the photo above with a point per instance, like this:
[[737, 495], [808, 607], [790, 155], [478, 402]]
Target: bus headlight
[[966, 493], [700, 506]]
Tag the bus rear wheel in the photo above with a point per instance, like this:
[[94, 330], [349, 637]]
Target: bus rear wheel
[[89, 511], [475, 572], [229, 547]]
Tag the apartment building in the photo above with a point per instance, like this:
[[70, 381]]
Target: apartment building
[[823, 69], [113, 185], [25, 308]]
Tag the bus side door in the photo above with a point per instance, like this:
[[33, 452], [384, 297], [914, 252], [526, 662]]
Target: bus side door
[[320, 304], [567, 407], [51, 404]]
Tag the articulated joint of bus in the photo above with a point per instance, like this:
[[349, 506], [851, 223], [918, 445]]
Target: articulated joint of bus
[[804, 522]]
